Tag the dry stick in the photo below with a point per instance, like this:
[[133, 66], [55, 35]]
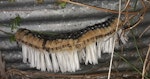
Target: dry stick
[[127, 19], [140, 19], [148, 66], [142, 1], [144, 31], [33, 74], [112, 11], [145, 8], [112, 54], [132, 16], [98, 8], [127, 4], [12, 72], [144, 66], [127, 16]]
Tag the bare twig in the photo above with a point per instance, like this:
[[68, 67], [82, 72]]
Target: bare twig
[[112, 54], [99, 8], [132, 16], [139, 21], [127, 4], [12, 72], [124, 11], [33, 74], [145, 62], [144, 31]]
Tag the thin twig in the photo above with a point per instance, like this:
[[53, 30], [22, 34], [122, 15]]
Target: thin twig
[[115, 11], [12, 72], [100, 9], [126, 6], [33, 74], [139, 21], [127, 20], [112, 54], [145, 62], [144, 31]]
